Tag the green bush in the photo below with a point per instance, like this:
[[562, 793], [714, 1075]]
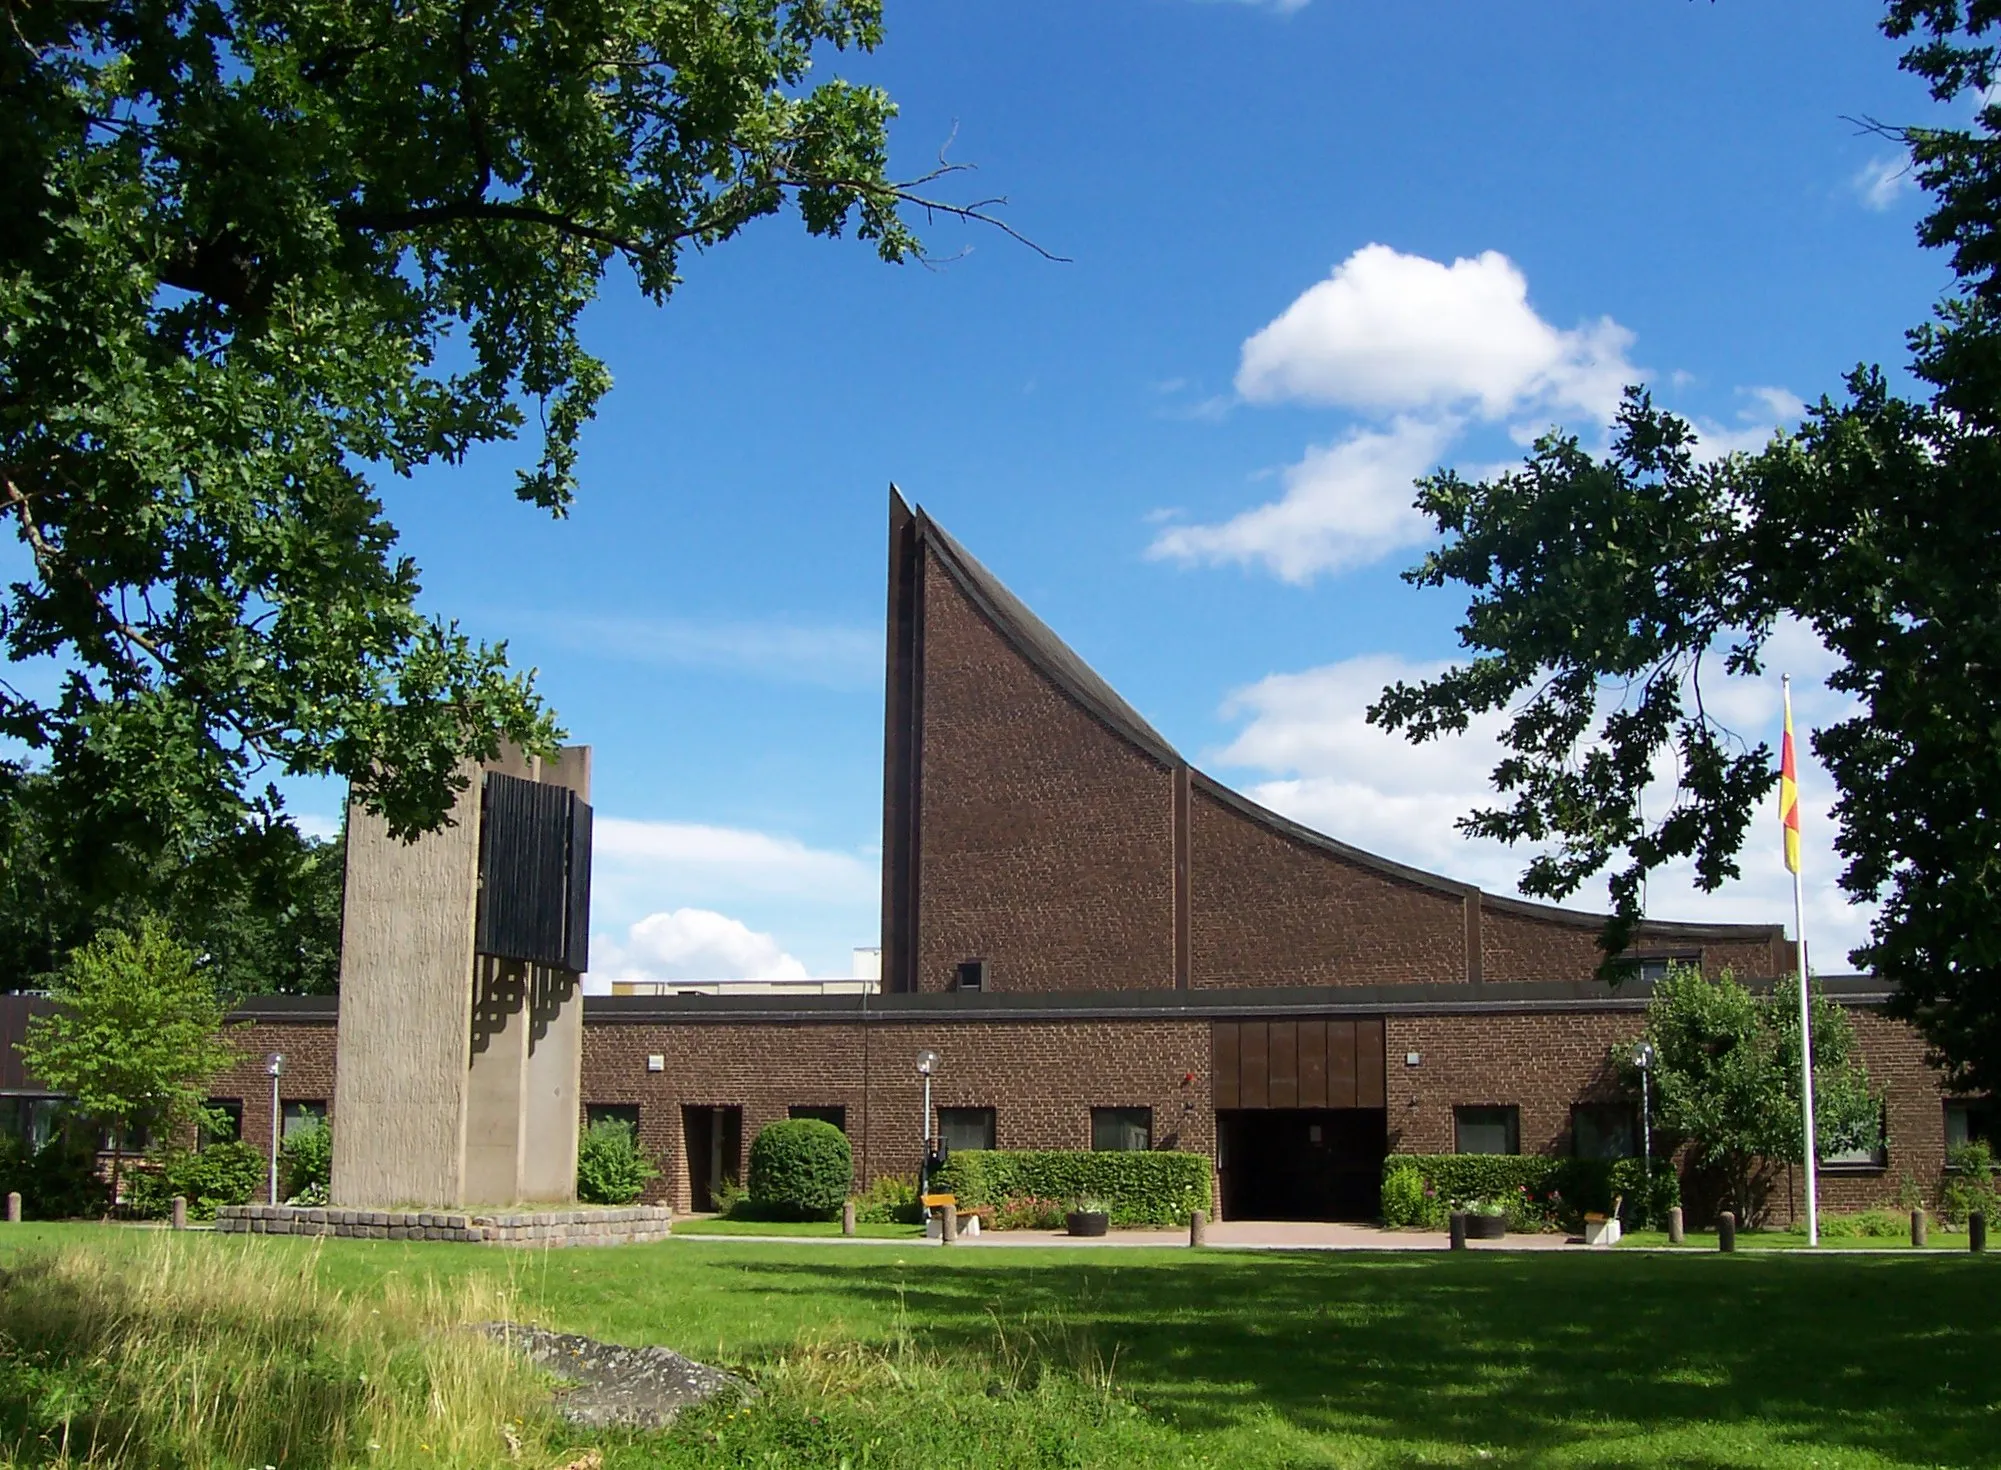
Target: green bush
[[801, 1170], [612, 1169], [890, 1199], [1138, 1188], [1969, 1184], [221, 1174], [1860, 1225], [305, 1165], [58, 1181], [1537, 1191]]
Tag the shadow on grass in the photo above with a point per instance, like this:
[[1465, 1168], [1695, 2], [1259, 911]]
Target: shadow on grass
[[1517, 1352]]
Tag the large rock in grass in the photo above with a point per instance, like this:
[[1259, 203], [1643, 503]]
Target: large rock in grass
[[634, 1387]]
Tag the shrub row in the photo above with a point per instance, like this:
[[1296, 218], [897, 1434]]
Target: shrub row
[[222, 1174], [1137, 1188], [1540, 1191]]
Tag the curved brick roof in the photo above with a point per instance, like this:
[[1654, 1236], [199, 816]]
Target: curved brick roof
[[1037, 642]]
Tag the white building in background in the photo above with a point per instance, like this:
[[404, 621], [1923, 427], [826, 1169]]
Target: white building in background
[[864, 978]]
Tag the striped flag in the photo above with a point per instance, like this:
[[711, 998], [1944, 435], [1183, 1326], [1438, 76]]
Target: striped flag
[[1789, 790]]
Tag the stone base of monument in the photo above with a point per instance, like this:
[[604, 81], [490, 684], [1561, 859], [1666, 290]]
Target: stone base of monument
[[627, 1226]]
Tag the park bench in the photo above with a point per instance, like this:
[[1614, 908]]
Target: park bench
[[1603, 1229]]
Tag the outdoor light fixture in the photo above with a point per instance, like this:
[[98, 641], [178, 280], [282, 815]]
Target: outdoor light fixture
[[1643, 1058], [927, 1063], [274, 1066]]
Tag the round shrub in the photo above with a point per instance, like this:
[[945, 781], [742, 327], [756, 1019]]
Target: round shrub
[[612, 1169], [800, 1170]]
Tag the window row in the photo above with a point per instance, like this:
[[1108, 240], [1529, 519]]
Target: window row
[[1612, 1131], [1113, 1130]]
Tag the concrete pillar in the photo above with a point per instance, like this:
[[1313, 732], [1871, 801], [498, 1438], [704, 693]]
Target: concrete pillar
[[1920, 1235], [1976, 1231], [405, 1010], [949, 1231], [1456, 1224], [13, 1207], [1676, 1234], [180, 1212], [848, 1217], [1198, 1228], [1726, 1231]]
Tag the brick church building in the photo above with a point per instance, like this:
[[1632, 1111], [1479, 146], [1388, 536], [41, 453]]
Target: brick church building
[[1108, 948]]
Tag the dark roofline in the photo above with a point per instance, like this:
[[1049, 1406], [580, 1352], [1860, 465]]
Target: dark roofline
[[1036, 641]]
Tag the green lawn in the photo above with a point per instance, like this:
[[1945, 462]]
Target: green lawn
[[805, 1229], [1785, 1240], [888, 1355]]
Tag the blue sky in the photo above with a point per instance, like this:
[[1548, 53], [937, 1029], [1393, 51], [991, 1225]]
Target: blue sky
[[1314, 248]]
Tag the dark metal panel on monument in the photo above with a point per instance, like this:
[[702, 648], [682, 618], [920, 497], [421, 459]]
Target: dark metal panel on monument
[[534, 873]]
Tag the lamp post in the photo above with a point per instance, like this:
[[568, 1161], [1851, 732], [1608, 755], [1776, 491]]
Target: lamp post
[[1643, 1058], [274, 1065], [927, 1064]]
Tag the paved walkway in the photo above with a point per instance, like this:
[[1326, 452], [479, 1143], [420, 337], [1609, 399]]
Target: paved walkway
[[1254, 1235]]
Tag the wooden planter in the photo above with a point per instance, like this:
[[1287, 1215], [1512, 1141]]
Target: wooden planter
[[1486, 1227], [1087, 1222]]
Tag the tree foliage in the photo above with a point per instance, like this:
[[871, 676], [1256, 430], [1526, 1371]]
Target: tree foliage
[[136, 1035], [257, 254], [260, 902], [1726, 1077], [1605, 590]]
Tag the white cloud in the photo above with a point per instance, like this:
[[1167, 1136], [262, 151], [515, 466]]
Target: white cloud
[[1324, 765], [695, 856], [1345, 504], [693, 944], [316, 824], [1770, 411], [1882, 181], [1389, 333], [795, 652]]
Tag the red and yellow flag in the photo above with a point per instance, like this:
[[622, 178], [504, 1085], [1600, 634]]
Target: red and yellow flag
[[1789, 789]]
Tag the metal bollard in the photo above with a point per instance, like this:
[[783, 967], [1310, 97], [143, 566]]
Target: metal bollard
[[1456, 1223], [1976, 1231], [1198, 1228], [1726, 1231], [950, 1232], [1920, 1235], [848, 1218], [13, 1207], [180, 1212], [1676, 1234]]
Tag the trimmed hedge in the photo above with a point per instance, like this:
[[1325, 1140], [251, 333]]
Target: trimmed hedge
[[1138, 1188], [228, 1173], [1541, 1191], [800, 1169]]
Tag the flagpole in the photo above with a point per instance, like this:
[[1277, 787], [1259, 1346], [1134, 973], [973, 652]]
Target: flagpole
[[1806, 1014]]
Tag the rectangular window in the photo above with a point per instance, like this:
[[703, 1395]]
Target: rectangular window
[[1604, 1131], [224, 1121], [971, 975], [1655, 967], [1487, 1130], [626, 1113], [1121, 1130], [303, 1114], [835, 1114], [42, 1120], [966, 1129], [1970, 1120]]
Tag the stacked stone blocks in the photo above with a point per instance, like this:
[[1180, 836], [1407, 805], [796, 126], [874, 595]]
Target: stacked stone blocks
[[627, 1226]]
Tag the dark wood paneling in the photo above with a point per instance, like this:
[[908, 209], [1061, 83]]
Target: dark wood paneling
[[1284, 1044], [1340, 1064], [1369, 1064], [1313, 1064], [1254, 1065], [14, 1013], [1223, 1062]]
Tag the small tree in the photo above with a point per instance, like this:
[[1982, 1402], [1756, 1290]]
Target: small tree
[[136, 1036], [1727, 1078]]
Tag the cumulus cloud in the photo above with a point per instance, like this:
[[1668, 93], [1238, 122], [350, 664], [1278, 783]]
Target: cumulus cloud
[[1882, 181], [1345, 504], [696, 856], [1389, 332], [1770, 411], [1311, 754], [693, 944]]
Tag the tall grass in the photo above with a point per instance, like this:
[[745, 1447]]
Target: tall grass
[[190, 1354]]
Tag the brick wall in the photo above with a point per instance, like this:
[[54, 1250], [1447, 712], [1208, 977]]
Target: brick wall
[[308, 1049], [1269, 910], [1047, 841], [1041, 1078]]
